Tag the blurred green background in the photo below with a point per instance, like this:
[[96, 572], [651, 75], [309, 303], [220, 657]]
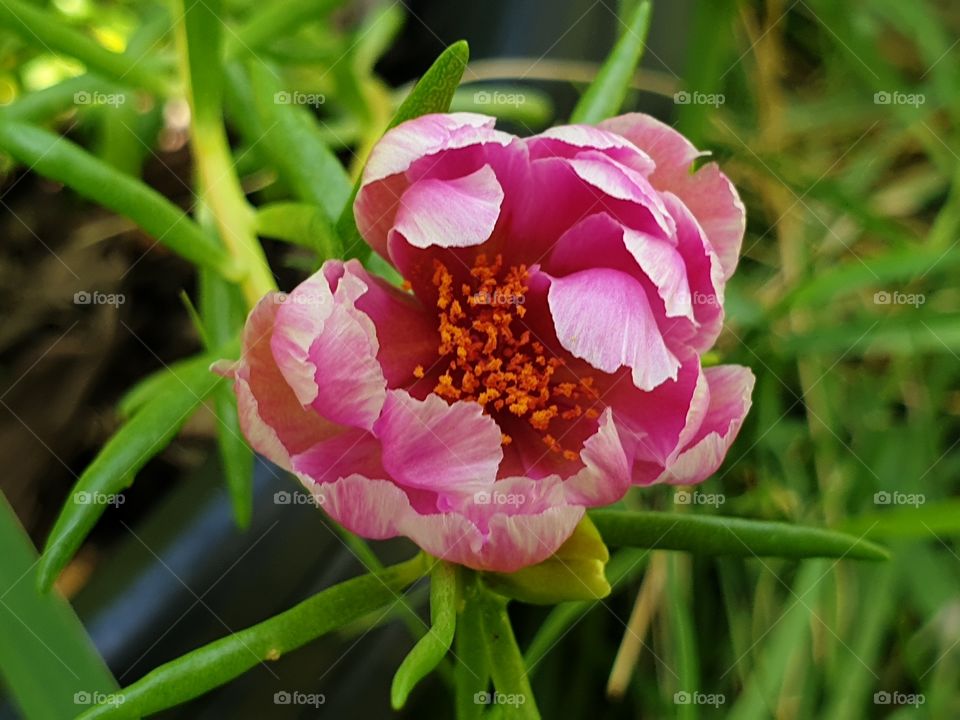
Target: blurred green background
[[840, 125]]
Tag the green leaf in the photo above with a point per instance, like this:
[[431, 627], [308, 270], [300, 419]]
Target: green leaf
[[61, 160], [472, 671], [712, 535], [295, 147], [41, 105], [151, 429], [47, 32], [432, 647], [301, 224], [222, 312], [160, 382], [200, 40], [221, 661], [433, 93], [46, 657], [606, 93], [506, 662]]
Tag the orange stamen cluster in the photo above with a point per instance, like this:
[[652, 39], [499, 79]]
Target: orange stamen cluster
[[495, 363]]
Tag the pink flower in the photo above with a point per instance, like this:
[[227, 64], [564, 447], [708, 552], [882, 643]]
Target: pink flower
[[544, 356]]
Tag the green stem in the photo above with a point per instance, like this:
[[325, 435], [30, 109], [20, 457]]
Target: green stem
[[472, 672], [199, 48], [219, 662], [507, 667]]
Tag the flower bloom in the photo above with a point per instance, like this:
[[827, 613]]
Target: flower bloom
[[542, 356]]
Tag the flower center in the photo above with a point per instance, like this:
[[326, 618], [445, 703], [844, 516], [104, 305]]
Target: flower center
[[493, 359]]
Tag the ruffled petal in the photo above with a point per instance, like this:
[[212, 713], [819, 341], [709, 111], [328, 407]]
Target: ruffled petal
[[603, 317], [271, 417], [709, 194], [385, 176], [605, 477], [599, 240], [327, 350], [730, 388], [453, 450], [450, 213]]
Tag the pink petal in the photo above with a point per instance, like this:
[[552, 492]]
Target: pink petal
[[568, 140], [730, 390], [271, 417], [606, 475], [450, 213], [453, 450], [327, 350], [426, 135], [385, 174], [705, 277], [378, 509], [618, 181], [603, 316], [406, 332], [352, 451], [599, 239], [709, 194]]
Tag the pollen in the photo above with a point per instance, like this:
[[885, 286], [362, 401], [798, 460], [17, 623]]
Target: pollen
[[489, 356]]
